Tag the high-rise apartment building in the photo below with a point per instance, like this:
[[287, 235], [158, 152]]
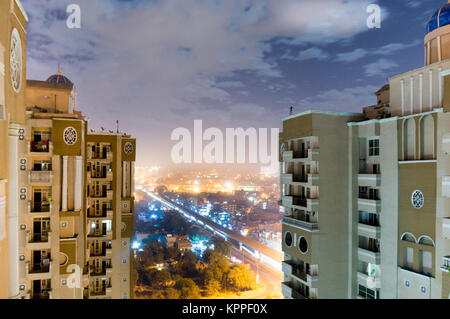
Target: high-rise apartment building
[[367, 196], [110, 207], [13, 21], [66, 195]]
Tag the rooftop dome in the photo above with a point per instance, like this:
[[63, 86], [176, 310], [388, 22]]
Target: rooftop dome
[[440, 18], [58, 78]]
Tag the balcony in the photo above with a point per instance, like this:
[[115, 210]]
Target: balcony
[[304, 225], [39, 207], [104, 213], [369, 256], [40, 177], [290, 292], [369, 180], [98, 293], [313, 154], [369, 205], [300, 203], [44, 294], [446, 228], [107, 194], [40, 147], [287, 290], [365, 280], [446, 264], [369, 231], [307, 155], [105, 175], [98, 234], [39, 271], [100, 156], [287, 267], [288, 156], [38, 241], [286, 178]]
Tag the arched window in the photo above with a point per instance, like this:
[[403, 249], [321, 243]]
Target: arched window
[[409, 237], [426, 240], [427, 138], [409, 139]]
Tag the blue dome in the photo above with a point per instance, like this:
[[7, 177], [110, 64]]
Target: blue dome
[[58, 78], [440, 18]]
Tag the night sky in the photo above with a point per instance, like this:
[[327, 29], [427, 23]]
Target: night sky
[[159, 64]]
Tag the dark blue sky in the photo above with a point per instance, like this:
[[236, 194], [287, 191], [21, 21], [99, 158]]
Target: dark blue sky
[[158, 65]]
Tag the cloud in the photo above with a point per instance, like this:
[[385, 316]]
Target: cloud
[[348, 99], [312, 54], [379, 67], [385, 50], [159, 61], [352, 56], [392, 48]]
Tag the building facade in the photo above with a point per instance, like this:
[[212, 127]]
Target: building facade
[[66, 204], [367, 196]]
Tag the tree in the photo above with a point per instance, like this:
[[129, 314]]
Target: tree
[[172, 253], [161, 278], [221, 246], [240, 278], [172, 293], [157, 295], [188, 289], [213, 287]]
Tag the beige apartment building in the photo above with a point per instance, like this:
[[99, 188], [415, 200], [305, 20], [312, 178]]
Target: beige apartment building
[[367, 196], [66, 201]]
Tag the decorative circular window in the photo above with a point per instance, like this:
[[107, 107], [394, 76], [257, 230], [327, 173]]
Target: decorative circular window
[[128, 148], [288, 239], [407, 283], [303, 245], [70, 135], [423, 289], [417, 199], [63, 259], [15, 60], [282, 148]]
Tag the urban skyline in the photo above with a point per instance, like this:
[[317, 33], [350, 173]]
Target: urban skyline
[[283, 149], [231, 64]]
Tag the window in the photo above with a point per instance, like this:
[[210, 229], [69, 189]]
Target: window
[[303, 245], [427, 138], [368, 293], [374, 147], [288, 239], [408, 258], [425, 262], [409, 140]]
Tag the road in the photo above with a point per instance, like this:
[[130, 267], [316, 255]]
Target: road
[[268, 255], [269, 279]]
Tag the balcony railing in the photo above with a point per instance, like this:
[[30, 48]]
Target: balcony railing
[[446, 264], [300, 223], [40, 177], [39, 268], [39, 237], [40, 207], [44, 294], [102, 233], [40, 147]]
